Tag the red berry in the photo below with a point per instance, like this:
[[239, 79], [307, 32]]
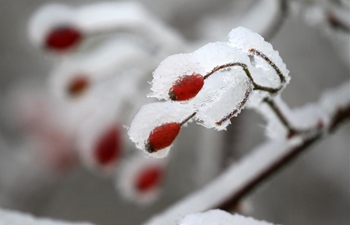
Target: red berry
[[162, 136], [63, 38], [149, 178], [186, 87], [77, 86], [108, 147]]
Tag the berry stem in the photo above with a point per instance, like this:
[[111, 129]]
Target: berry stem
[[247, 72], [272, 64], [188, 118], [240, 106], [282, 118]]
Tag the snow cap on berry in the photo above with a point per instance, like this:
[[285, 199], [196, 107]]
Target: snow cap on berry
[[154, 117], [48, 18], [201, 62]]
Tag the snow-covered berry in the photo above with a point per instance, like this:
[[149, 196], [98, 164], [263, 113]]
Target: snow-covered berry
[[63, 38], [162, 136], [186, 87]]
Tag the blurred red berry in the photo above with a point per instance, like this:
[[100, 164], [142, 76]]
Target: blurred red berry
[[149, 178], [162, 136], [108, 147], [186, 87], [78, 86], [63, 38]]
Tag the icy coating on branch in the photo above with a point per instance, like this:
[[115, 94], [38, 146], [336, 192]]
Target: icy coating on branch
[[219, 217], [8, 217]]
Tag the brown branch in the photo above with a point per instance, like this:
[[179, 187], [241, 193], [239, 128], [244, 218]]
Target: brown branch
[[341, 115]]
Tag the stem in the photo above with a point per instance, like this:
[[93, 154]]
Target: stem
[[282, 118], [188, 118], [240, 106], [272, 64]]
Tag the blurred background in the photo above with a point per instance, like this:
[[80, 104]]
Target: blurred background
[[48, 166]]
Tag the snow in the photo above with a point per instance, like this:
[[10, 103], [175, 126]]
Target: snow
[[219, 217], [106, 18], [237, 90], [245, 39], [130, 17], [8, 217], [333, 100], [153, 115], [202, 61]]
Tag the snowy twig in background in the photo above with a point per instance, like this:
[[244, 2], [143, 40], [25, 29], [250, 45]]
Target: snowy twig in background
[[265, 17], [8, 217], [331, 19], [215, 217], [241, 178], [61, 28]]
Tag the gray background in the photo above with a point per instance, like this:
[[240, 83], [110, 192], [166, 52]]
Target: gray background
[[312, 190]]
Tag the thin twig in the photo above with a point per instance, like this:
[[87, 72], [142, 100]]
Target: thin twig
[[247, 72]]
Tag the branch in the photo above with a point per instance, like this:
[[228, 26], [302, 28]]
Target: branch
[[8, 217], [240, 179], [270, 14]]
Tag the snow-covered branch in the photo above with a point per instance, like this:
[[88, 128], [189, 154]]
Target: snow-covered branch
[[8, 217], [239, 179]]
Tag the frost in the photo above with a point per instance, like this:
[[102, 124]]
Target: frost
[[230, 103], [242, 72], [219, 217], [8, 217], [128, 174], [153, 115], [202, 61]]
